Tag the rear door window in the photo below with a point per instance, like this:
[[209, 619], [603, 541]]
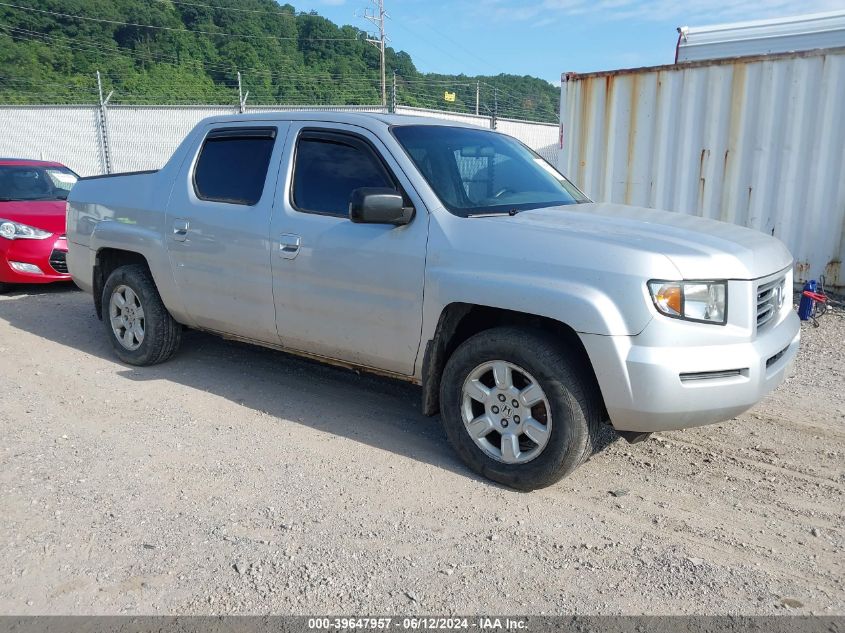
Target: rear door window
[[232, 165]]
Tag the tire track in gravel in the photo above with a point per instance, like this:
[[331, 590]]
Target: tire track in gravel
[[790, 470], [643, 523]]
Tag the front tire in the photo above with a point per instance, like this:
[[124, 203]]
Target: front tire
[[518, 408], [140, 328]]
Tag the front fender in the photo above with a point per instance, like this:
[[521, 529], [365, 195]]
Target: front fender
[[581, 306]]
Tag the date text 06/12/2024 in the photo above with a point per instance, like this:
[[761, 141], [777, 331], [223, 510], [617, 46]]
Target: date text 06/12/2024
[[417, 623]]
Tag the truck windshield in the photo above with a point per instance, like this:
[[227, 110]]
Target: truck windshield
[[25, 182], [479, 172]]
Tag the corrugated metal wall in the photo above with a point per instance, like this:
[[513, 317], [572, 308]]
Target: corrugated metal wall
[[759, 142]]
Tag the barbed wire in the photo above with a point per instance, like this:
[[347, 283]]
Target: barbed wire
[[266, 86]]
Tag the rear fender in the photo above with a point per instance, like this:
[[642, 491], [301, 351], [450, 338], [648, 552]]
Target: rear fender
[[148, 243]]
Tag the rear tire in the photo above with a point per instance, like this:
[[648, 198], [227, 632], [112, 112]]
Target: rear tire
[[489, 421], [140, 328]]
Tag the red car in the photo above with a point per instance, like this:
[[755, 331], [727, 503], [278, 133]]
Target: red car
[[33, 247]]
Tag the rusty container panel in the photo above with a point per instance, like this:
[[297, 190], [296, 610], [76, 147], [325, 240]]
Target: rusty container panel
[[757, 141]]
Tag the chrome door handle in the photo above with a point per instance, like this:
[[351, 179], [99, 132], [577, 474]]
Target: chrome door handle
[[180, 230], [289, 244]]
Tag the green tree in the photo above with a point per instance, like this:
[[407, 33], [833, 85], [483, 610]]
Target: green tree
[[285, 57]]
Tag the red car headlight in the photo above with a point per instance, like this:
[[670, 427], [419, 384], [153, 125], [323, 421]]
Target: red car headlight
[[17, 231]]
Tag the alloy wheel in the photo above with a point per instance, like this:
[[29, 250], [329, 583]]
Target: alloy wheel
[[506, 412], [126, 315]]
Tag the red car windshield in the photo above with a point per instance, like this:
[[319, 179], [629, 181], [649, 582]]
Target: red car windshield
[[25, 182]]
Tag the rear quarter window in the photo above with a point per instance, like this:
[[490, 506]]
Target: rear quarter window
[[232, 165]]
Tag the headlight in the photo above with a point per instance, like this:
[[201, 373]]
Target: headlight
[[16, 231], [703, 301]]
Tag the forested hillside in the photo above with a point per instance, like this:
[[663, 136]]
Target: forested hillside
[[174, 51]]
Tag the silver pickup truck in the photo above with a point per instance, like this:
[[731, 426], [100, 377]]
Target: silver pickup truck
[[448, 256]]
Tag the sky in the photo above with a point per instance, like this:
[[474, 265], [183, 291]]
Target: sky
[[545, 38]]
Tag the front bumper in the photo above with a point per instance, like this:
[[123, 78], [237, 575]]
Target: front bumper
[[48, 255], [650, 388]]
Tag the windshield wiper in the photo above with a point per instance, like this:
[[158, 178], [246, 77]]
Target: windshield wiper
[[510, 213]]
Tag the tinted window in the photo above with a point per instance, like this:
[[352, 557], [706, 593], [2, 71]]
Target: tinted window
[[478, 171], [328, 168], [232, 166], [19, 182]]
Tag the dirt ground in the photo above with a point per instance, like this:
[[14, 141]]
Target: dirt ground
[[234, 479]]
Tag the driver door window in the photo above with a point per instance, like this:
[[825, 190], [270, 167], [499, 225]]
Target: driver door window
[[329, 167]]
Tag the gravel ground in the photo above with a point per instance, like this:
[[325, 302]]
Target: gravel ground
[[235, 479]]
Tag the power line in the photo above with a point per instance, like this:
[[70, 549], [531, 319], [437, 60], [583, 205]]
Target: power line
[[286, 14], [77, 44], [178, 30], [238, 9], [442, 82], [514, 97], [446, 37], [428, 42], [516, 101], [117, 51], [356, 87], [422, 37]]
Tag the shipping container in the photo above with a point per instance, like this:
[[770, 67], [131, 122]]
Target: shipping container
[[757, 141], [761, 37]]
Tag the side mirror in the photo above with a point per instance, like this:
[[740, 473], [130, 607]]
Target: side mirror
[[378, 205]]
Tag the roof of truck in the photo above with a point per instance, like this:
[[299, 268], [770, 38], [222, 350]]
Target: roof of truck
[[334, 116]]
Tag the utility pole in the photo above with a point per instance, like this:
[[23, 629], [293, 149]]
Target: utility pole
[[377, 15], [477, 96], [393, 100], [495, 120]]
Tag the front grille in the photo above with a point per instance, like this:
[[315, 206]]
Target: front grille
[[769, 300], [58, 260]]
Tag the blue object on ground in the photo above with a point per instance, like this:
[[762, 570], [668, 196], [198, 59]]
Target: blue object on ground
[[805, 308]]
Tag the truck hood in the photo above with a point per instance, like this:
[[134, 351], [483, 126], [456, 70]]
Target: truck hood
[[47, 215], [699, 248]]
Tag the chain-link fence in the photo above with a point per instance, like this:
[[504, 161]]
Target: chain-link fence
[[96, 140]]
